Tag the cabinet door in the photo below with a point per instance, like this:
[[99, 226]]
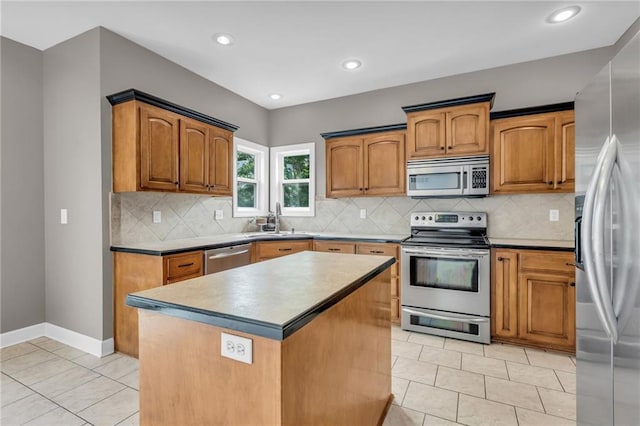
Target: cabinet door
[[547, 309], [334, 246], [194, 162], [179, 267], [264, 250], [504, 293], [467, 130], [565, 152], [221, 162], [387, 249], [344, 167], [159, 133], [426, 132], [384, 164], [522, 154]]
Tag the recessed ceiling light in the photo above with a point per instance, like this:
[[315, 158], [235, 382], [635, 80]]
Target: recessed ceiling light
[[223, 39], [351, 64], [563, 15], [275, 96]]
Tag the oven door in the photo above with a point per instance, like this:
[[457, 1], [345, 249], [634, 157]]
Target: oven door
[[451, 279], [446, 324]]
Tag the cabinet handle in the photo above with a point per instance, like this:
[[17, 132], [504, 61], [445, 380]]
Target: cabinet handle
[[559, 182], [366, 189], [570, 264], [500, 259], [175, 183], [550, 182], [361, 189], [376, 251], [184, 265], [449, 147], [572, 284], [285, 249], [442, 147], [333, 249]]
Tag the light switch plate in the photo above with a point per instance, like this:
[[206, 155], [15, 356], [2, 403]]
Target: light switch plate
[[157, 216], [363, 213], [219, 215], [554, 215], [236, 347], [63, 217]]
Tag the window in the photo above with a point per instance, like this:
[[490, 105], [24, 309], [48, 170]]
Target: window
[[250, 171], [293, 179]]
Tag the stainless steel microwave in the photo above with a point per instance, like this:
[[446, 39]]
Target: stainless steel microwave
[[448, 177]]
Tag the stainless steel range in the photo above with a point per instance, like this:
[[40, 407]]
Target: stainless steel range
[[446, 275]]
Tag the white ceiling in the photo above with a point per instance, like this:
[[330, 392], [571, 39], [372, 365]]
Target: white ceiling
[[296, 48]]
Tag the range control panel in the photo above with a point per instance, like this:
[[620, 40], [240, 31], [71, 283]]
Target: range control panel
[[448, 220]]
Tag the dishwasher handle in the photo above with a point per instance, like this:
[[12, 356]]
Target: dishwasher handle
[[223, 255]]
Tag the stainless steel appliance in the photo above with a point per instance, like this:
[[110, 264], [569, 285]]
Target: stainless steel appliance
[[220, 259], [448, 177], [446, 274], [608, 243]]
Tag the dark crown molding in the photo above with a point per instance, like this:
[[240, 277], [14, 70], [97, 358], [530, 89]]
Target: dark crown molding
[[363, 131], [565, 106], [487, 97], [133, 94]]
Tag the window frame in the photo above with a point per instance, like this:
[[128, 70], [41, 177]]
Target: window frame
[[261, 153], [277, 180]]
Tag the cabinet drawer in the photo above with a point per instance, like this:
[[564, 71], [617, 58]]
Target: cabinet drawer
[[380, 249], [334, 246], [182, 266], [270, 249], [535, 260]]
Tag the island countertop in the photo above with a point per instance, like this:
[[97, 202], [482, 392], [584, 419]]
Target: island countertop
[[272, 299]]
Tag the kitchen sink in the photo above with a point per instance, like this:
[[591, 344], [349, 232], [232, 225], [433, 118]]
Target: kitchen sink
[[274, 235]]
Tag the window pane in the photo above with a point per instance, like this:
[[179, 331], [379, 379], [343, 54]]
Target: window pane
[[246, 194], [246, 165], [296, 194], [296, 167]]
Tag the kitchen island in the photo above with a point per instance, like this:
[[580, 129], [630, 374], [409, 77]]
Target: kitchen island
[[319, 332]]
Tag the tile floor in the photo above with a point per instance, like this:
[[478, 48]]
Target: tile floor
[[436, 381]]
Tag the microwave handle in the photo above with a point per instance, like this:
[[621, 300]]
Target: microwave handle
[[461, 180]]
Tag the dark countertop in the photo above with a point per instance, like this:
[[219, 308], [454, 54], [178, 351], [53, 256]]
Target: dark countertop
[[272, 299], [532, 244]]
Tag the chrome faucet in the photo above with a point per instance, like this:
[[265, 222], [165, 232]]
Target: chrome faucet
[[278, 214]]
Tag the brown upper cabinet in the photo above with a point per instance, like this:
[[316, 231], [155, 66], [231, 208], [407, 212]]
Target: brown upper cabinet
[[533, 152], [361, 163], [458, 127], [160, 146]]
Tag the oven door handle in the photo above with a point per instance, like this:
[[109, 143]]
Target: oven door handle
[[446, 317], [457, 255]]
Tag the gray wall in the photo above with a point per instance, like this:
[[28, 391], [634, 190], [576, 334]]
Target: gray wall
[[22, 187], [73, 180], [540, 82]]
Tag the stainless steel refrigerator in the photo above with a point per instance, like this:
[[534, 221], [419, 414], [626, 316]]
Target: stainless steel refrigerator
[[608, 243]]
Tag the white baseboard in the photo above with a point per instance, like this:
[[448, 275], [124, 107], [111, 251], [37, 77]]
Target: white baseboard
[[68, 337]]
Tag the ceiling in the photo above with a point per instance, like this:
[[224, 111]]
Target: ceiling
[[296, 48]]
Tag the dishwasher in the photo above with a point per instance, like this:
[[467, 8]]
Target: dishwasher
[[220, 259]]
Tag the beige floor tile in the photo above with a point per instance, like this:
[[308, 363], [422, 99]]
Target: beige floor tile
[[480, 412], [431, 400], [42, 371], [405, 349], [462, 346], [79, 398], [437, 421], [506, 352], [118, 368], [427, 339], [402, 416], [11, 391], [460, 381], [399, 334], [534, 418], [532, 375], [512, 393], [69, 353], [113, 409], [64, 382], [567, 380], [550, 360], [57, 417], [559, 404], [482, 365], [50, 345], [25, 361], [441, 357], [398, 389], [417, 371], [131, 420], [132, 380], [25, 409], [16, 350], [91, 361], [39, 340]]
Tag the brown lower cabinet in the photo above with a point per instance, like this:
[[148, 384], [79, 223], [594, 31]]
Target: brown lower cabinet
[[379, 249], [264, 250], [533, 298], [134, 272]]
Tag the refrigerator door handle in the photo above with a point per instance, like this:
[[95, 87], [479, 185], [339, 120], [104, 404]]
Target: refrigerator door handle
[[593, 237]]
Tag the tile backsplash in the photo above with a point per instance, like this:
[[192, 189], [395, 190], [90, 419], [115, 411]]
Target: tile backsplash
[[188, 216]]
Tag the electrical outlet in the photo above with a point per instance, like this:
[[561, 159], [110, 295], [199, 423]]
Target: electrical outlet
[[157, 216], [554, 215], [63, 217], [363, 213], [236, 347], [219, 215]]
